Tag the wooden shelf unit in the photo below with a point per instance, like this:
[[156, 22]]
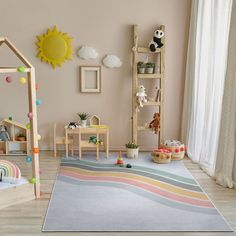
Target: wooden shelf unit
[[136, 50], [19, 147]]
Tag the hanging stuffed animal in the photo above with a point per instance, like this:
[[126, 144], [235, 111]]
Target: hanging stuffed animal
[[141, 96], [4, 136], [156, 40], [155, 123]]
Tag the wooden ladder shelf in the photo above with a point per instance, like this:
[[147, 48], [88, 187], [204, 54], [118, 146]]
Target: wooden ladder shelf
[[135, 83]]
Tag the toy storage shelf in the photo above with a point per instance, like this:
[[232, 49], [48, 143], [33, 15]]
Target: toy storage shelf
[[14, 146], [159, 76]]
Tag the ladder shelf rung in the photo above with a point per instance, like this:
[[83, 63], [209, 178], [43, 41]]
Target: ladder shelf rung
[[152, 103], [143, 128], [149, 76], [147, 50]]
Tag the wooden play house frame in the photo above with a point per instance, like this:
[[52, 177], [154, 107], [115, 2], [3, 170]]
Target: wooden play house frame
[[29, 69]]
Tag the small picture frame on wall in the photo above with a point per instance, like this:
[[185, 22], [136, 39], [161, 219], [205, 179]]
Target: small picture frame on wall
[[90, 79]]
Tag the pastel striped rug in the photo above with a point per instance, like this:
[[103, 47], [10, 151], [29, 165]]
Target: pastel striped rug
[[100, 196]]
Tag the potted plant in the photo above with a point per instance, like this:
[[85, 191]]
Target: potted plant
[[141, 67], [132, 149], [21, 137], [150, 68], [83, 118]]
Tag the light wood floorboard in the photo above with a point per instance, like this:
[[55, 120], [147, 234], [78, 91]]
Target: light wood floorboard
[[27, 219]]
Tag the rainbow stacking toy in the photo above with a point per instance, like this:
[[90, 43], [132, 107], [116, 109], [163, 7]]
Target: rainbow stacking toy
[[9, 172]]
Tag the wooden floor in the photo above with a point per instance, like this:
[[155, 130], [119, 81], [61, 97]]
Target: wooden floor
[[27, 219]]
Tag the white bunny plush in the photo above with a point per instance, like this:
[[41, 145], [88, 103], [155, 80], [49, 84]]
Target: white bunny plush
[[141, 95]]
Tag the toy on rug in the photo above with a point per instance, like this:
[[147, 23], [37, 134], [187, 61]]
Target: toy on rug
[[72, 125], [9, 172], [161, 156], [176, 148], [141, 96], [155, 123], [4, 135], [120, 161], [156, 40], [93, 139], [128, 166]]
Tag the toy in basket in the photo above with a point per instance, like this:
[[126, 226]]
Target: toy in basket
[[161, 156], [176, 147]]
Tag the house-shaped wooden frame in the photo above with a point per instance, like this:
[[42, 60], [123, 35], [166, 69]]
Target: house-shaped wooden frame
[[94, 120], [30, 71]]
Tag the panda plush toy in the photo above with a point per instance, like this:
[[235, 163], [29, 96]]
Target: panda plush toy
[[156, 40]]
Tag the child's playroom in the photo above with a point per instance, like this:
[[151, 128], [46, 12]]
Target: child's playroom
[[117, 117]]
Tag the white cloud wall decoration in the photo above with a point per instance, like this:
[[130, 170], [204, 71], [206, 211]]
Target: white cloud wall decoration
[[86, 52], [112, 61]]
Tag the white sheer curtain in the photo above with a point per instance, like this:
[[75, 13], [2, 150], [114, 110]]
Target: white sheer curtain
[[225, 172], [205, 74]]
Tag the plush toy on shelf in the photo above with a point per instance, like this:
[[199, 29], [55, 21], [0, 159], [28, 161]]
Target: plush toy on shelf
[[155, 123], [72, 125], [4, 136], [141, 96], [156, 40]]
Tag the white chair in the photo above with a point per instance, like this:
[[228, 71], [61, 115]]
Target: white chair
[[57, 140]]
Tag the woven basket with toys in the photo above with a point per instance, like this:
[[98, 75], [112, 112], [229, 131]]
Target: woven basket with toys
[[176, 148], [161, 156]]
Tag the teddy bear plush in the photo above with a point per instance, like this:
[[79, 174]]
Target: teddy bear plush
[[156, 40], [4, 136], [141, 95], [155, 123]]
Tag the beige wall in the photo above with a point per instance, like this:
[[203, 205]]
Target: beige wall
[[105, 25]]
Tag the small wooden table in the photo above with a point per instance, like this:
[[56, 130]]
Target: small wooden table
[[95, 130]]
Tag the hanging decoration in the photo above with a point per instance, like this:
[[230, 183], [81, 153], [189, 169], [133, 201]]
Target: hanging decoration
[[54, 47]]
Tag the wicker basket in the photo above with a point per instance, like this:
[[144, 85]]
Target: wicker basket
[[177, 151], [161, 156]]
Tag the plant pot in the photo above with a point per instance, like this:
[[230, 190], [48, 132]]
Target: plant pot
[[83, 123], [21, 139], [141, 70], [132, 152], [149, 70]]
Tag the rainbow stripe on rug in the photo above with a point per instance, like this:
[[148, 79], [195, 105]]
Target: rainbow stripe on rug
[[158, 183]]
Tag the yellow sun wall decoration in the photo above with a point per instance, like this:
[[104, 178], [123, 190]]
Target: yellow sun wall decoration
[[54, 47]]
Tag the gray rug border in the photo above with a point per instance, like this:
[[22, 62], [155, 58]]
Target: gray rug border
[[99, 231]]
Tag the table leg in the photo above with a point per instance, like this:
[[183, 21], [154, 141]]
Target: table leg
[[79, 146], [97, 146], [66, 144], [107, 143]]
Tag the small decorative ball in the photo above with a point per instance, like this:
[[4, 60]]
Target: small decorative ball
[[32, 180], [35, 150], [182, 149], [8, 79], [21, 69], [36, 87], [9, 118], [28, 159], [38, 102], [39, 137], [22, 80], [177, 150], [30, 115], [28, 126]]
